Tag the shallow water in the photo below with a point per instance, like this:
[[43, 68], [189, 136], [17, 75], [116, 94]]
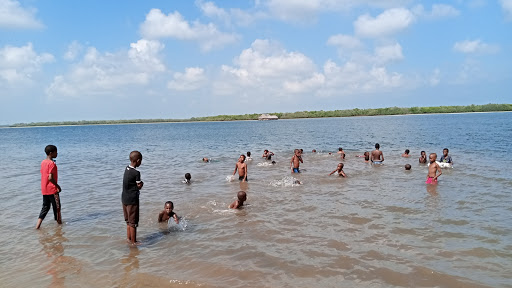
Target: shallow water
[[379, 227]]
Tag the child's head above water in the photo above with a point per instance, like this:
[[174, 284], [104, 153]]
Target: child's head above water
[[168, 206], [188, 176], [407, 151], [248, 154], [407, 166], [445, 152], [340, 166], [205, 159], [242, 196]]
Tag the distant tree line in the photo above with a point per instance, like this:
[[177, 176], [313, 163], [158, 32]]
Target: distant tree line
[[294, 115]]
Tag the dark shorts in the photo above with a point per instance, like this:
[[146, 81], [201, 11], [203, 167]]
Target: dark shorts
[[296, 170], [241, 178], [131, 215]]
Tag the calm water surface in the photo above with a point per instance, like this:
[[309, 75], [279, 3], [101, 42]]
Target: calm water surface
[[379, 227]]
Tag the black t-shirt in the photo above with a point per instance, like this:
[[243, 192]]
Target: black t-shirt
[[130, 195]]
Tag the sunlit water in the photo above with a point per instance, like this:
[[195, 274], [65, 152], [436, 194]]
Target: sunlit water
[[379, 227]]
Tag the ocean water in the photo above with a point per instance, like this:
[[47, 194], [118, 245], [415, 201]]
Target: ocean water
[[379, 227]]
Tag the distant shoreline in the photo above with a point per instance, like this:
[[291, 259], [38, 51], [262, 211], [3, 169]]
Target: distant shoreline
[[390, 111]]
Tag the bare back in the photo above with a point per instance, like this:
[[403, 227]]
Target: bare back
[[377, 155]]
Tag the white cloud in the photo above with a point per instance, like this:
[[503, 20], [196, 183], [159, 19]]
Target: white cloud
[[267, 67], [232, 16], [475, 46], [385, 24], [110, 73], [345, 42], [356, 78], [158, 25], [192, 79], [18, 64], [306, 10], [507, 7], [12, 15], [388, 53], [438, 11], [74, 49]]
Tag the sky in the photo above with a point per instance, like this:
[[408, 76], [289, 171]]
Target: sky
[[107, 60]]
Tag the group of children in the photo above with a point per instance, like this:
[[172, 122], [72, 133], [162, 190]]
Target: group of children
[[132, 182]]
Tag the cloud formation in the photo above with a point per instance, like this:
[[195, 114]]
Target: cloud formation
[[18, 64], [110, 73], [387, 23], [475, 46], [12, 15], [192, 79], [507, 8], [158, 25]]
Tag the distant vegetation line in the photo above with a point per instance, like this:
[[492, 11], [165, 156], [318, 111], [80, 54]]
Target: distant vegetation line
[[295, 115]]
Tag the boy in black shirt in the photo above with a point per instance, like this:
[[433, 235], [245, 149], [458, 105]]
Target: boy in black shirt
[[130, 196]]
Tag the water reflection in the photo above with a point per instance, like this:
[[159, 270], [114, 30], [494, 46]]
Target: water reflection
[[61, 266], [131, 261]]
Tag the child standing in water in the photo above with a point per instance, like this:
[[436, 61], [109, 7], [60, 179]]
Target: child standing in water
[[49, 187], [240, 201], [445, 158], [406, 153], [267, 154], [423, 157], [377, 157], [130, 196], [187, 179], [433, 168], [167, 213], [241, 166], [339, 169], [341, 152], [295, 162]]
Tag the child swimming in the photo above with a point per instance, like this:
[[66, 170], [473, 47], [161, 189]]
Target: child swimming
[[339, 169], [167, 213], [242, 197]]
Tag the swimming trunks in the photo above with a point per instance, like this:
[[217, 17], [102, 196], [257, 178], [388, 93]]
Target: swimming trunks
[[377, 162], [296, 170], [431, 180], [240, 178]]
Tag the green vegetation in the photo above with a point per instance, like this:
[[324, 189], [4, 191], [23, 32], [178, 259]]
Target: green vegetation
[[294, 115]]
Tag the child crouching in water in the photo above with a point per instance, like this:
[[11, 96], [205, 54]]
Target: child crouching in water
[[240, 201], [167, 213], [339, 169]]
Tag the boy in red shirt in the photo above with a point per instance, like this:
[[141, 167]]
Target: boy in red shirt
[[49, 187]]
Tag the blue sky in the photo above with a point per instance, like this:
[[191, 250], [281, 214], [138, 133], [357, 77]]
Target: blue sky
[[101, 60]]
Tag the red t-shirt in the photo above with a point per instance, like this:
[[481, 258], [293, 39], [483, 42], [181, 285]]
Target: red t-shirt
[[48, 167]]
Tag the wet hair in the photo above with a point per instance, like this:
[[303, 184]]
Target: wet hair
[[342, 165], [422, 152], [446, 149], [340, 149], [135, 155], [243, 156], [407, 166], [273, 162], [377, 146], [50, 149], [314, 151], [240, 195], [407, 151], [169, 203], [188, 176], [265, 150], [248, 154], [301, 150]]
